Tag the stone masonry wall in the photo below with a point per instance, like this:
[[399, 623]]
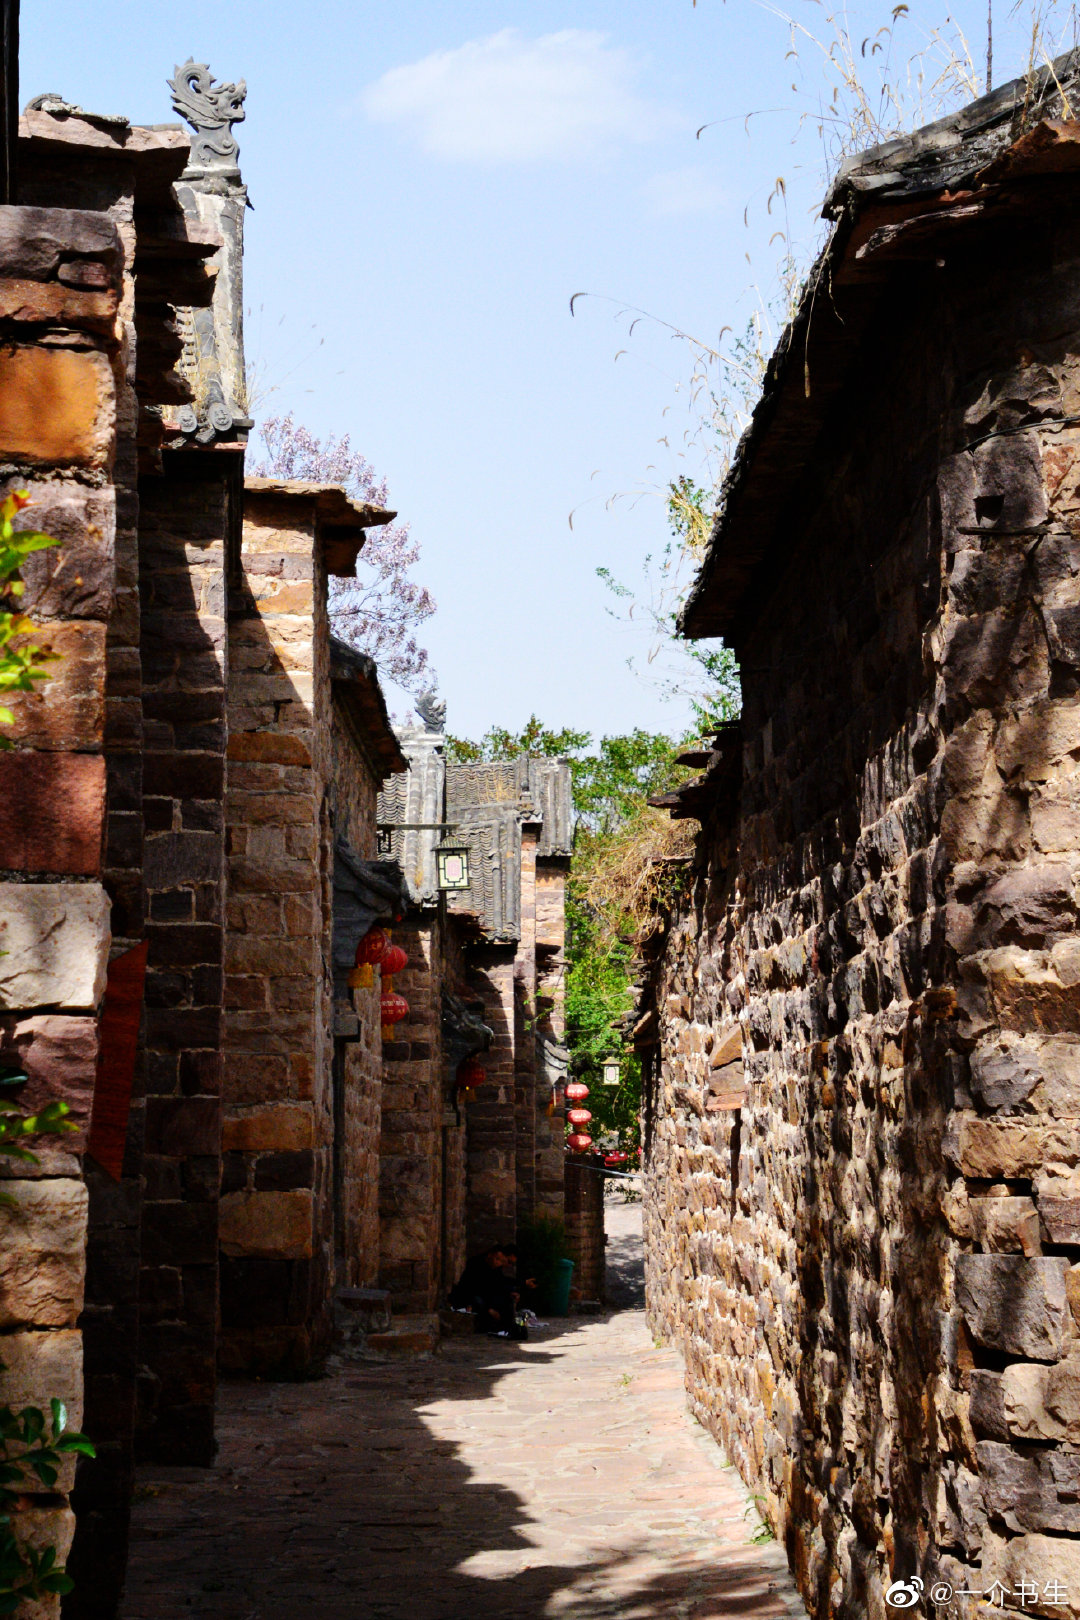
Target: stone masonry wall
[[185, 515], [585, 1227], [353, 796], [872, 1263], [61, 278], [491, 1206], [551, 1022], [525, 987], [276, 1221], [410, 1185]]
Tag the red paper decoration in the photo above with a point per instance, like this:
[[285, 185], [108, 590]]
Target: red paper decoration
[[394, 960], [578, 1142], [578, 1116], [576, 1092]]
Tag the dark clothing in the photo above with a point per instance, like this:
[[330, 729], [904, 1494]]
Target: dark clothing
[[483, 1288]]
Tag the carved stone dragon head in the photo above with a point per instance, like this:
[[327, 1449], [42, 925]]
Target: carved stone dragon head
[[211, 110]]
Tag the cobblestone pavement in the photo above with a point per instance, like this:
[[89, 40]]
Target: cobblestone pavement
[[558, 1480]]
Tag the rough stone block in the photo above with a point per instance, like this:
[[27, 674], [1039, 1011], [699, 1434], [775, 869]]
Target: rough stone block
[[1013, 1303], [1009, 1149], [1034, 1492], [36, 242], [43, 1241], [52, 812], [1033, 1558], [59, 1055], [66, 713], [274, 1225], [1059, 1206], [1005, 1225], [55, 939], [56, 406]]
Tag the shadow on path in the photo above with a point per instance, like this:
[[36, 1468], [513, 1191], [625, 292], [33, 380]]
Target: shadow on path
[[561, 1478]]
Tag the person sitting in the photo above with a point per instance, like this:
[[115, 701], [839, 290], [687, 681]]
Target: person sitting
[[483, 1288], [526, 1290]]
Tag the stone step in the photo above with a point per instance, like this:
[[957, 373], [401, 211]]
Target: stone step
[[410, 1336], [362, 1311]]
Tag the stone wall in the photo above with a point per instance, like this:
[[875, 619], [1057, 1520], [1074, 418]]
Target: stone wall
[[871, 1261], [61, 334], [550, 1127], [185, 516], [276, 1214], [410, 1184], [584, 1221], [491, 1207]]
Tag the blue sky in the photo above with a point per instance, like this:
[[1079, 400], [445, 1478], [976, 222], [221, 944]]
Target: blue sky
[[431, 182]]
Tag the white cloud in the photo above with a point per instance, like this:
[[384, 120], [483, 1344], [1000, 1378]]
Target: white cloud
[[508, 99], [683, 191]]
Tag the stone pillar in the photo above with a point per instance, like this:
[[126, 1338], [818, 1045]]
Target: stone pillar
[[585, 1227], [551, 1027], [277, 1206], [186, 517], [525, 1016], [492, 1198], [410, 1185]]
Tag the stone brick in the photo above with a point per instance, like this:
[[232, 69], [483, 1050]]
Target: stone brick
[[268, 747], [56, 406], [1033, 1558], [36, 242], [66, 713], [51, 303], [76, 579], [268, 1224], [1006, 1225], [59, 1056], [52, 812], [1013, 1303], [43, 1239], [1059, 1206], [55, 939], [1013, 1149], [280, 1172], [1034, 1492]]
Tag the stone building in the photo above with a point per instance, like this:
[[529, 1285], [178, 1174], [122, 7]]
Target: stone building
[[190, 817], [486, 974], [189, 813], [861, 1022]]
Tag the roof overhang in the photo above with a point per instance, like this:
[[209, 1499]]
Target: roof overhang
[[897, 209], [355, 684], [340, 522]]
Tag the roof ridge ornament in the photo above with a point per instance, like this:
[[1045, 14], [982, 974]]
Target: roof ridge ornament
[[211, 110]]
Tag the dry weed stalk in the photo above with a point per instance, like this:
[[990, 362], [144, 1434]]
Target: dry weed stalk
[[626, 876]]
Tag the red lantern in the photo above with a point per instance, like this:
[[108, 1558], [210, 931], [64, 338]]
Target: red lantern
[[614, 1158], [369, 951], [471, 1074], [576, 1092], [394, 960], [579, 1142], [578, 1116], [393, 1009]]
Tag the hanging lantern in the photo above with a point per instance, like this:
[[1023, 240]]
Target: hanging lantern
[[471, 1074], [610, 1068], [369, 951], [578, 1116], [576, 1092], [579, 1142], [452, 864], [393, 1009], [393, 960], [611, 1160]]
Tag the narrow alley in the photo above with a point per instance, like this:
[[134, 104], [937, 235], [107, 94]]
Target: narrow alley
[[563, 1477]]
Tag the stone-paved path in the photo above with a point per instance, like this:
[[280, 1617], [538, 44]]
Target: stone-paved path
[[562, 1478]]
